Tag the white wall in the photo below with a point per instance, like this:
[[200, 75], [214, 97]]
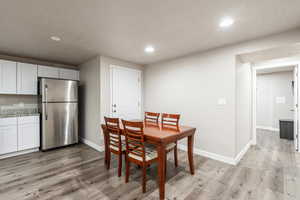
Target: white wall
[[89, 101], [269, 87], [192, 85], [243, 104]]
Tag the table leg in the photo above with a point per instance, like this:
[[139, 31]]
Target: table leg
[[161, 150], [105, 146], [190, 152]]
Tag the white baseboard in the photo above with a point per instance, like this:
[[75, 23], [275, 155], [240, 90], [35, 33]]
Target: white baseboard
[[92, 144], [242, 152], [269, 128], [214, 156], [210, 155], [18, 153]]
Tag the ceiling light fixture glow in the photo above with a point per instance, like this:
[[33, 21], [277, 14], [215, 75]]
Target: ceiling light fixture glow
[[55, 38], [226, 22], [149, 49]]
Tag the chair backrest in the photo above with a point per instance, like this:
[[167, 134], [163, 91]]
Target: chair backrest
[[170, 119], [135, 141], [151, 116], [149, 124], [113, 128]]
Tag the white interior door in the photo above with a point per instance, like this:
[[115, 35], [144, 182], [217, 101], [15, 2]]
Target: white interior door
[[125, 92], [296, 113]]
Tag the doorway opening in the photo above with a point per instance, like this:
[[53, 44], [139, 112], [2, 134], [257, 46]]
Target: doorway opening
[[275, 105]]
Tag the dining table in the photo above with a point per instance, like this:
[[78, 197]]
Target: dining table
[[160, 135]]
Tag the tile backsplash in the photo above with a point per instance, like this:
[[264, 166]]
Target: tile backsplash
[[18, 109], [18, 104], [17, 99]]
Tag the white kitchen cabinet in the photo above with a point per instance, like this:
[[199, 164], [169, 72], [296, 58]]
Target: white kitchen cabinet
[[69, 74], [8, 121], [54, 72], [8, 136], [48, 72], [8, 77], [26, 78], [28, 133], [77, 75]]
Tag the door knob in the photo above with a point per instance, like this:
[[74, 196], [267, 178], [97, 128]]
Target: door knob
[[114, 105], [114, 111]]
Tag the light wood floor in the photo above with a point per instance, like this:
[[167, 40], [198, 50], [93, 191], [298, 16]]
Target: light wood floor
[[269, 171]]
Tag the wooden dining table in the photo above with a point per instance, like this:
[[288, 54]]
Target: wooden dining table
[[160, 136]]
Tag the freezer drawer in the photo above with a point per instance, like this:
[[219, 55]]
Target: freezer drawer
[[54, 90], [59, 125]]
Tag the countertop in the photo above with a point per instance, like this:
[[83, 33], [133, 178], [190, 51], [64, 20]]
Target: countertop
[[18, 115], [19, 110]]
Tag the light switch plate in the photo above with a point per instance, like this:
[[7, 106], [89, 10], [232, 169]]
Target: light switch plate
[[280, 100], [222, 101]]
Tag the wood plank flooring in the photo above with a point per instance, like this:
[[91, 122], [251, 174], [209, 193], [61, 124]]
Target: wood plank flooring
[[269, 171]]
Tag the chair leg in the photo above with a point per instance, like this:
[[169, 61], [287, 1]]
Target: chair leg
[[166, 164], [108, 159], [144, 178], [125, 157], [120, 165], [127, 170], [176, 156]]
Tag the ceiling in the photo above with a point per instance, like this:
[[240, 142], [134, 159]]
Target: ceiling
[[121, 29]]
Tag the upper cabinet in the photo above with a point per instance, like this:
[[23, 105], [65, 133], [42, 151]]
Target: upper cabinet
[[61, 73], [22, 78], [8, 77], [26, 78], [69, 74], [49, 72]]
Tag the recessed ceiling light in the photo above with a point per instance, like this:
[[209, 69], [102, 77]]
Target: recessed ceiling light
[[149, 49], [55, 38], [226, 22]]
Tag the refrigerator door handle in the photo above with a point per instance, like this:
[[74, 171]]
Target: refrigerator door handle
[[46, 102]]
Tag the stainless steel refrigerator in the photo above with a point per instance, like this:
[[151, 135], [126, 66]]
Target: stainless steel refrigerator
[[58, 100]]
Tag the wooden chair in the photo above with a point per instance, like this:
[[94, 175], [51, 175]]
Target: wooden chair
[[171, 121], [136, 151], [116, 145], [151, 117]]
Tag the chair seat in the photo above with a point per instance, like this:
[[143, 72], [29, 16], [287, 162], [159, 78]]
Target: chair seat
[[150, 146], [117, 149], [170, 146], [150, 155]]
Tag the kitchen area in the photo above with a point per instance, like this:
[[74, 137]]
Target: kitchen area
[[38, 107]]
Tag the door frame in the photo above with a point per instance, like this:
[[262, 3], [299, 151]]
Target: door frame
[[111, 67], [254, 103], [296, 110]]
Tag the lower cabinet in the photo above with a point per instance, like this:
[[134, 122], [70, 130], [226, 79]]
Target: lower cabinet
[[19, 134], [28, 133], [8, 139]]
